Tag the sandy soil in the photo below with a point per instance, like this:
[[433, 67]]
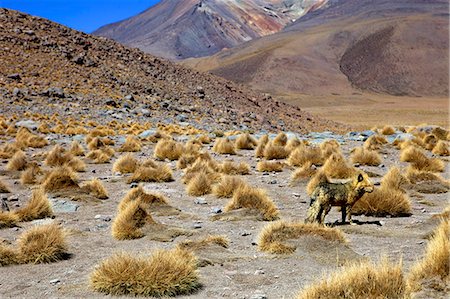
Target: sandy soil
[[241, 271]]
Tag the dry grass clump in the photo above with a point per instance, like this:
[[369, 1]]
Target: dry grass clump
[[227, 186], [60, 178], [131, 144], [364, 156], [57, 156], [101, 156], [18, 162], [435, 264], [387, 130], [30, 175], [126, 164], [253, 199], [441, 149], [280, 140], [165, 273], [207, 166], [245, 141], [262, 142], [8, 150], [319, 176], [360, 280], [303, 154], [95, 188], [140, 194], [423, 163], [94, 143], [411, 153], [329, 147], [292, 144], [8, 219], [37, 208], [275, 152], [168, 149], [199, 185], [76, 149], [224, 146], [374, 142], [8, 255], [273, 236], [306, 171], [42, 244], [4, 188], [129, 221], [415, 176], [336, 167], [269, 166], [383, 201], [231, 168], [160, 173], [221, 241], [430, 141], [394, 179]]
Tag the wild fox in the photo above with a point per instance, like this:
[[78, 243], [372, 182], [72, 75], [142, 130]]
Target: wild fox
[[345, 195]]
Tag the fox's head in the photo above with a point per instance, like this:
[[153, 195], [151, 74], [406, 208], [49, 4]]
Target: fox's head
[[362, 183]]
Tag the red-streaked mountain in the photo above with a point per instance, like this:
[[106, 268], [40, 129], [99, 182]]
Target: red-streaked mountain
[[390, 47], [177, 29]]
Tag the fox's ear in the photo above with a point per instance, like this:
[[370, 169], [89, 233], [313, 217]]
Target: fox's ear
[[360, 178]]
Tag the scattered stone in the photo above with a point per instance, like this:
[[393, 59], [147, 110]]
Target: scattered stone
[[245, 234], [258, 296], [217, 210], [259, 272], [44, 221], [13, 198], [55, 281], [4, 205], [103, 218], [200, 201], [62, 206], [29, 124], [198, 225], [134, 185], [14, 76]]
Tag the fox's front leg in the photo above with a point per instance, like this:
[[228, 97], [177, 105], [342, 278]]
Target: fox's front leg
[[349, 214]]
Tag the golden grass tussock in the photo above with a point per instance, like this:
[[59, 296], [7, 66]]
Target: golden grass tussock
[[131, 144], [30, 175], [221, 241], [199, 185], [383, 201], [207, 166], [424, 163], [18, 162], [394, 179], [168, 149], [329, 147], [227, 186], [94, 143], [270, 166], [101, 156], [415, 176], [254, 199], [275, 152], [139, 193], [129, 221], [387, 130], [4, 188], [293, 144], [42, 244], [374, 142], [8, 150], [303, 154], [337, 168], [57, 156], [430, 141], [95, 188], [280, 140], [274, 235], [126, 164], [245, 141], [262, 142], [76, 149], [76, 164], [37, 207], [59, 179], [441, 149], [360, 280], [165, 273], [319, 176], [411, 154], [8, 219], [231, 168], [160, 173], [186, 160], [305, 172], [224, 146], [435, 263], [8, 255], [364, 156]]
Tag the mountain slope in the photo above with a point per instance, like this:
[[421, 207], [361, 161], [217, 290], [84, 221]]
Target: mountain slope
[[46, 65], [194, 28], [390, 47]]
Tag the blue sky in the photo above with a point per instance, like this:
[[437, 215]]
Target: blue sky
[[83, 15]]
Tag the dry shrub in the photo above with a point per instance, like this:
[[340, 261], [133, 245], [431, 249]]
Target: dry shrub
[[230, 168], [101, 156], [4, 188], [280, 140], [253, 199], [59, 179], [94, 143], [8, 219], [360, 280], [262, 142], [374, 142], [383, 201], [168, 149], [158, 174], [329, 147], [42, 244], [132, 144], [76, 164], [76, 149], [269, 166], [273, 236], [394, 179], [424, 163], [36, 141], [435, 264], [441, 149], [303, 154], [206, 166], [221, 241], [430, 141], [18, 162], [165, 273], [411, 153], [186, 160], [224, 146], [245, 141], [336, 167], [57, 156], [388, 130], [227, 185], [95, 188], [8, 150], [415, 176], [8, 255], [139, 193], [275, 152], [199, 185], [440, 133], [293, 144], [204, 139], [129, 221], [306, 171], [126, 164], [29, 176], [37, 208], [364, 156]]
